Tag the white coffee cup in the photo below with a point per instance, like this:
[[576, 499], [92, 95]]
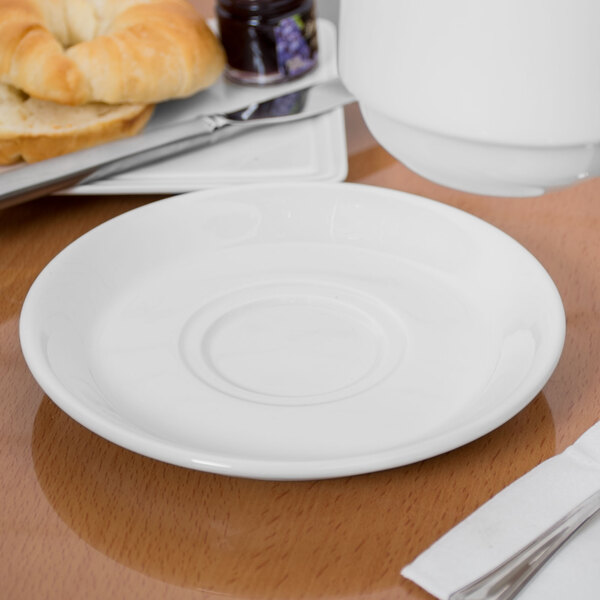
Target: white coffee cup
[[497, 97]]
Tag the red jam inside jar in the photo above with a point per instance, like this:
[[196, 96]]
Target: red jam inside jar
[[267, 41]]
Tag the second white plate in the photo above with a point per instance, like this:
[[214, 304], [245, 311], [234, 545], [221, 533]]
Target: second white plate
[[313, 150], [293, 331]]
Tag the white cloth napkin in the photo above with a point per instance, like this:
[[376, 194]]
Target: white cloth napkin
[[515, 517]]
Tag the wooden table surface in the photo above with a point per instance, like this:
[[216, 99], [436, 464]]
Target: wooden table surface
[[83, 518]]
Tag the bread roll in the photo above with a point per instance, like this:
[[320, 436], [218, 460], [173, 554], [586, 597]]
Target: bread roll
[[32, 129], [111, 51]]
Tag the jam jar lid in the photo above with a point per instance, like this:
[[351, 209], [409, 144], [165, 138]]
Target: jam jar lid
[[260, 9]]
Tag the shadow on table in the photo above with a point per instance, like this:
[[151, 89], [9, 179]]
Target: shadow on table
[[242, 538]]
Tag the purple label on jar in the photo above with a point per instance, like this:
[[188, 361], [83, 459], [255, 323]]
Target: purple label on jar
[[293, 38]]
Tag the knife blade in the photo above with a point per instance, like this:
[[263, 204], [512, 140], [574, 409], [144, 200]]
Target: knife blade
[[85, 166]]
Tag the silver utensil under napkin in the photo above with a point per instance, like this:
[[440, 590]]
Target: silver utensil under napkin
[[496, 550], [84, 166]]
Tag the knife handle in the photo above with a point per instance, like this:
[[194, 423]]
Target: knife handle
[[84, 166]]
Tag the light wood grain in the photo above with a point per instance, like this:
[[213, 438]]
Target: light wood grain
[[83, 518]]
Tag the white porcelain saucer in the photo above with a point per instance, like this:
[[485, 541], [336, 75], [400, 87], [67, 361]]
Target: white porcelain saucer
[[293, 331]]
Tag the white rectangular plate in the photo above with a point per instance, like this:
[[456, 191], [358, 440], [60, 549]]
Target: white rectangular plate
[[310, 150]]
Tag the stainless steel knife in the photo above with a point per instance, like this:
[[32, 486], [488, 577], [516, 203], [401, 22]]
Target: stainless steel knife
[[84, 166]]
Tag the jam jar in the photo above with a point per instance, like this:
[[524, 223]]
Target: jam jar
[[267, 41]]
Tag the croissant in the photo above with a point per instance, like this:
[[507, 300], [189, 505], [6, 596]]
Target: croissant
[[32, 129], [110, 51]]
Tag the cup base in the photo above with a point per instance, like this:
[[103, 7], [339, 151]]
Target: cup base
[[483, 168]]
